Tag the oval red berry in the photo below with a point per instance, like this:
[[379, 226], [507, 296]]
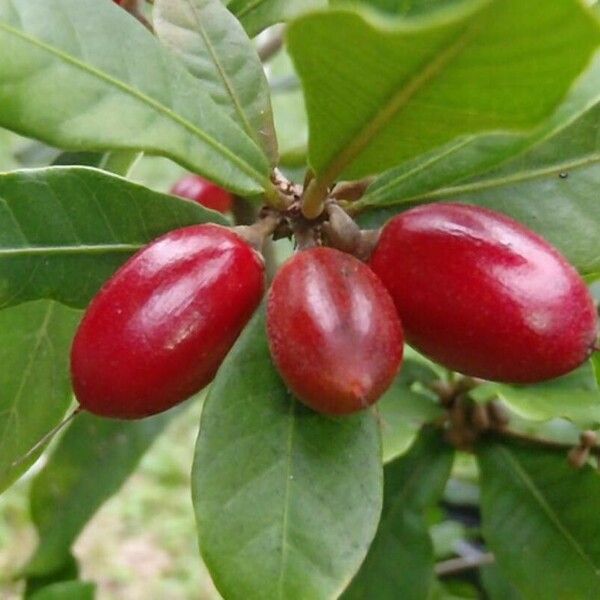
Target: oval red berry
[[159, 329], [483, 295], [333, 331], [207, 193]]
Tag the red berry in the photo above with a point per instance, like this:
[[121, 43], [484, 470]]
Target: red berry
[[207, 193], [333, 331], [159, 329], [483, 295]]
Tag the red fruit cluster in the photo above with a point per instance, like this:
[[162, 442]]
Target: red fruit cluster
[[202, 191], [474, 290]]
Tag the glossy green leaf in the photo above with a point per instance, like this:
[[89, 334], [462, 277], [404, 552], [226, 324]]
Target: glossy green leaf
[[256, 15], [215, 48], [35, 389], [403, 410], [574, 396], [540, 516], [425, 81], [91, 462], [66, 590], [400, 561], [64, 231], [84, 75], [569, 139], [287, 501]]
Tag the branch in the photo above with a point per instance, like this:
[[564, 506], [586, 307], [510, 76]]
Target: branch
[[455, 566], [272, 44], [589, 446]]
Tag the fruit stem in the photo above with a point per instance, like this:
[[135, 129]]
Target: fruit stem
[[313, 200], [539, 441], [46, 438], [343, 233], [351, 191], [453, 566], [120, 162], [256, 234]]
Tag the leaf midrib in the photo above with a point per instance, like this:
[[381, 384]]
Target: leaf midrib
[[286, 501], [40, 336], [154, 104], [483, 183], [222, 72], [249, 8], [73, 249], [518, 177], [398, 101], [554, 519]]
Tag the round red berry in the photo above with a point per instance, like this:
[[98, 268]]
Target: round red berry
[[207, 193], [333, 331]]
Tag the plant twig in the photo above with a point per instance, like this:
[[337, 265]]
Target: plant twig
[[455, 566], [272, 43], [538, 441]]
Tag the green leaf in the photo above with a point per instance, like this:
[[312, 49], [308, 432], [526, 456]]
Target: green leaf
[[65, 230], [289, 111], [93, 459], [35, 389], [445, 537], [400, 561], [69, 571], [496, 585], [550, 187], [215, 48], [66, 590], [403, 410], [406, 7], [84, 75], [256, 15], [287, 501], [574, 396], [540, 516], [568, 139], [425, 81]]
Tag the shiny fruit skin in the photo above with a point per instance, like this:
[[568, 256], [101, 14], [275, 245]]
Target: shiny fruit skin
[[333, 331], [207, 193], [483, 295], [159, 329]]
